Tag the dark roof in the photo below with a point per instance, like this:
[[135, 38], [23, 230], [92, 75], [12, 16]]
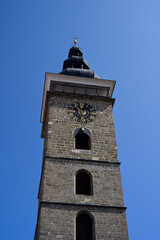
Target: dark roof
[[76, 65]]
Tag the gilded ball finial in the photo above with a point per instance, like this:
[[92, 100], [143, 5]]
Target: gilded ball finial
[[75, 41]]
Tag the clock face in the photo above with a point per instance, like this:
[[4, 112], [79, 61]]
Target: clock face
[[81, 112]]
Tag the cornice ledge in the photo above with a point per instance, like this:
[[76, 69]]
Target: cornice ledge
[[82, 160], [83, 205]]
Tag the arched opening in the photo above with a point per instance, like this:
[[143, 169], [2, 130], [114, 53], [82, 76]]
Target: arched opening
[[83, 183], [82, 139], [84, 227]]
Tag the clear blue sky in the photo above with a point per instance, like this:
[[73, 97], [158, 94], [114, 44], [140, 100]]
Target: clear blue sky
[[120, 40]]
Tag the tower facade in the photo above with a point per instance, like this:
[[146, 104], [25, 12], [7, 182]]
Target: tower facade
[[80, 193]]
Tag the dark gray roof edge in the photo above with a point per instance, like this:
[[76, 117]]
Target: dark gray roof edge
[[79, 72]]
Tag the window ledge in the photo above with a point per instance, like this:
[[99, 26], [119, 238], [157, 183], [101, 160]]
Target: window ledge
[[81, 151]]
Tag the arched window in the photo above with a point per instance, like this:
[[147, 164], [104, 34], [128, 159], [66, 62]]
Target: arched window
[[84, 227], [82, 139], [83, 182]]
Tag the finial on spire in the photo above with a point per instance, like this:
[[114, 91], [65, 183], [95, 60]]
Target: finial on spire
[[75, 40]]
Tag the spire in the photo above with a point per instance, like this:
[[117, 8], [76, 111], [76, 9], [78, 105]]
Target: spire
[[76, 65]]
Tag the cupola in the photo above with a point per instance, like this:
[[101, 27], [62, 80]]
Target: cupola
[[76, 65]]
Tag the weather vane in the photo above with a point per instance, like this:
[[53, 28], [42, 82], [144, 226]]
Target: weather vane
[[75, 40]]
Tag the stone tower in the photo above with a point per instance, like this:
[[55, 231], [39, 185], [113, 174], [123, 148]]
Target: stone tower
[[80, 193]]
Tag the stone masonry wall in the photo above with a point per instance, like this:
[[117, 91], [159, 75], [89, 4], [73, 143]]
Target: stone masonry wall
[[59, 205], [60, 223], [59, 182], [59, 134]]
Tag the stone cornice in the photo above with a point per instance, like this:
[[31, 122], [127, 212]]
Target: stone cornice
[[81, 160], [99, 206]]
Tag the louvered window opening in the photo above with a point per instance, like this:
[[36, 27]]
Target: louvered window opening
[[83, 183], [83, 141], [84, 228]]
